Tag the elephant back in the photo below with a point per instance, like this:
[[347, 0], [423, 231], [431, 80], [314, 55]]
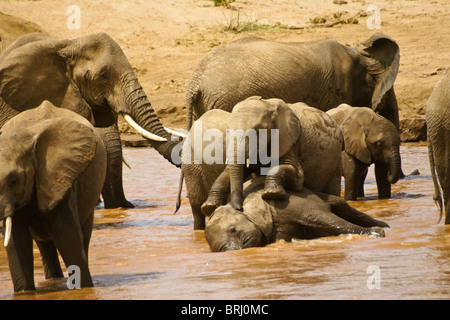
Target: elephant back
[[321, 143]]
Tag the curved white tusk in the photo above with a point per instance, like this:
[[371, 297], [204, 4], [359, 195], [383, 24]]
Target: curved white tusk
[[142, 131], [176, 133], [8, 227]]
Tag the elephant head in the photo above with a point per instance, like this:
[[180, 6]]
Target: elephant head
[[231, 229], [41, 161], [371, 138], [249, 118], [89, 75]]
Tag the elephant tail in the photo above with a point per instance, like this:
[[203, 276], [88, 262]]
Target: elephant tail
[[437, 197], [180, 189]]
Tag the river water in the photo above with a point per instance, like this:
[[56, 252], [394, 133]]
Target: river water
[[150, 253]]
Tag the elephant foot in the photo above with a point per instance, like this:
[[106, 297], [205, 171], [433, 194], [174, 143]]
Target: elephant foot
[[274, 192], [208, 207], [377, 232]]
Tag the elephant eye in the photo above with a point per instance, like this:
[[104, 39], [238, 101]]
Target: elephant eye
[[379, 144], [105, 75], [13, 180]]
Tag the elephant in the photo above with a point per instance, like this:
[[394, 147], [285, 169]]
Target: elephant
[[322, 74], [302, 215], [89, 75], [305, 134], [308, 151], [368, 138], [52, 171], [438, 135]]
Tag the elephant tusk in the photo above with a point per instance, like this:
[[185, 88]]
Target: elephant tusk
[[8, 227], [142, 131], [176, 133]]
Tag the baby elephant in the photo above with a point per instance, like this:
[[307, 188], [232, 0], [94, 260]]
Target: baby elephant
[[52, 170], [302, 215], [368, 138]]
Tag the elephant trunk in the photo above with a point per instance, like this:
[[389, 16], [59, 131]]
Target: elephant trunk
[[394, 167], [236, 169], [236, 185], [143, 118]]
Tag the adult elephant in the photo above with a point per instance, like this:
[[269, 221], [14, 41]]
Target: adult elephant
[[302, 215], [438, 132], [368, 138], [322, 74], [89, 75], [305, 134], [52, 169]]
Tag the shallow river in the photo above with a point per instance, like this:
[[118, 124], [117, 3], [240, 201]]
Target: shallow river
[[150, 253]]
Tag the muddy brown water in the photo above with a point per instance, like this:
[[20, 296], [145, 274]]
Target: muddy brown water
[[150, 253]]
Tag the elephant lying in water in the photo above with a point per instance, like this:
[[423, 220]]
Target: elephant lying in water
[[305, 134], [303, 215]]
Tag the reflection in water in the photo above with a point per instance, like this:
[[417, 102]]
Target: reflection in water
[[149, 253]]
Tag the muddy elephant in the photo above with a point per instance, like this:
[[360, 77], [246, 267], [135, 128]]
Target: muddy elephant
[[369, 139], [304, 134], [52, 170], [308, 150], [322, 74], [438, 133], [302, 215], [89, 75]]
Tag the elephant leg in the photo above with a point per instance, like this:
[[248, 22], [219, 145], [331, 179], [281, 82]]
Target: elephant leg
[[68, 237], [281, 177], [352, 170], [383, 185], [320, 220], [362, 180], [199, 218], [20, 256], [52, 267], [343, 210], [113, 194], [218, 194]]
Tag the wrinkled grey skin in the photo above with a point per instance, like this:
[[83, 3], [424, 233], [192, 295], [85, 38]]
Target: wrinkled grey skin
[[303, 215], [89, 75], [208, 184], [309, 149], [52, 170], [200, 175], [438, 131], [322, 74], [368, 138]]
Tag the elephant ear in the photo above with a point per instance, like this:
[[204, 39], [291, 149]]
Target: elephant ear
[[64, 148], [381, 56], [32, 73], [256, 209], [288, 124], [355, 137]]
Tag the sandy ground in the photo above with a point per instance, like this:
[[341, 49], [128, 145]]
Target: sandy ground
[[165, 40]]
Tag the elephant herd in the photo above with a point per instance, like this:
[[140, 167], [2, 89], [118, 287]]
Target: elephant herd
[[272, 127]]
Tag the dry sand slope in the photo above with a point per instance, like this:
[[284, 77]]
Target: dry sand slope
[[165, 40]]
